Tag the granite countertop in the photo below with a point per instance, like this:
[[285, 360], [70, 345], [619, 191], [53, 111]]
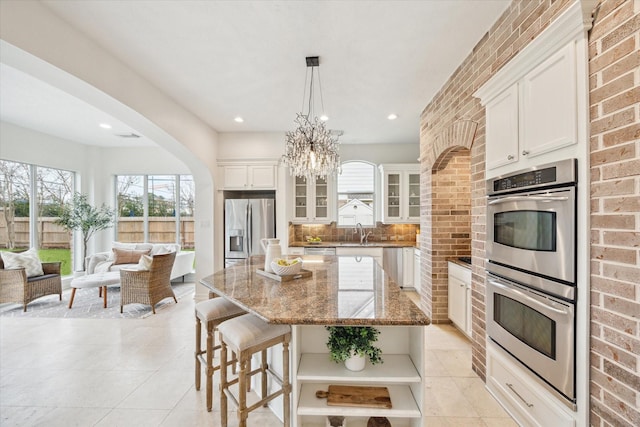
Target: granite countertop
[[461, 262], [387, 244], [341, 291]]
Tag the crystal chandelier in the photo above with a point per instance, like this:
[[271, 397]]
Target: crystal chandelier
[[311, 149]]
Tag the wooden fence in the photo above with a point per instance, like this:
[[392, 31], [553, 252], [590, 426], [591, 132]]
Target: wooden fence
[[130, 229]]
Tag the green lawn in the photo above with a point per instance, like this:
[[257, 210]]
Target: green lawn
[[49, 255]]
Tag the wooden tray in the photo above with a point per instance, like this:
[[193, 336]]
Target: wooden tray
[[287, 277], [347, 395]]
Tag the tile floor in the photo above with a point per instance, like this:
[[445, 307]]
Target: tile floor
[[126, 372]]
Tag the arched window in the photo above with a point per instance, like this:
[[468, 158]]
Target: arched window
[[356, 186]]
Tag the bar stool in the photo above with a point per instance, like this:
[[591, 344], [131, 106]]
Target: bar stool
[[246, 335], [212, 312]]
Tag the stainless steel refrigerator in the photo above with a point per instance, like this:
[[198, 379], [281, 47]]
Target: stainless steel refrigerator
[[246, 222]]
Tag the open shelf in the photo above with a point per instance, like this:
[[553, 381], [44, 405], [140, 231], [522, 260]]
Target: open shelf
[[397, 368], [404, 404]]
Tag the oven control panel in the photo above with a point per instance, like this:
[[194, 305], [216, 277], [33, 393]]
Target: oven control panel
[[560, 173]]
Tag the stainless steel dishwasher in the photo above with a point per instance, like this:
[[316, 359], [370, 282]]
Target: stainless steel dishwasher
[[319, 251], [392, 262]]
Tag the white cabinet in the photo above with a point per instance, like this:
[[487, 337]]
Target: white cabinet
[[502, 129], [402, 373], [376, 253], [521, 393], [237, 176], [313, 202], [548, 108], [400, 193], [417, 284], [534, 115], [459, 297], [295, 251]]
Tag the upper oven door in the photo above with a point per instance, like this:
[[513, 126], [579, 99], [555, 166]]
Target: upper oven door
[[534, 232]]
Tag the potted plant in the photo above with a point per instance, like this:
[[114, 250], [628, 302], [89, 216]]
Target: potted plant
[[82, 216], [353, 344]]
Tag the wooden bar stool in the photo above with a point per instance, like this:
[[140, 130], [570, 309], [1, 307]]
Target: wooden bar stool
[[212, 312], [245, 336]]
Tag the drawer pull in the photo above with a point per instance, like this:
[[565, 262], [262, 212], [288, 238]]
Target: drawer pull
[[529, 405]]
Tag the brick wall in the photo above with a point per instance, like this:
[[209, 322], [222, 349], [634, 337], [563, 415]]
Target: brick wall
[[454, 104], [451, 222], [615, 214]]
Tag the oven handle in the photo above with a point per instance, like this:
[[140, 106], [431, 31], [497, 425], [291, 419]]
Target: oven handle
[[528, 298], [529, 199]]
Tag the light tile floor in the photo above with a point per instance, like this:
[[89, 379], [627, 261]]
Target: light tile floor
[[125, 372]]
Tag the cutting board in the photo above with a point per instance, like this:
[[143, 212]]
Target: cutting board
[[348, 395]]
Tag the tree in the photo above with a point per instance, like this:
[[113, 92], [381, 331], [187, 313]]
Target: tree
[[87, 219]]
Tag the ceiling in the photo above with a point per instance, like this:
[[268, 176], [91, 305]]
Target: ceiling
[[222, 59]]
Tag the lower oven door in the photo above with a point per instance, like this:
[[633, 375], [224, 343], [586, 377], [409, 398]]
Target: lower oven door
[[536, 329]]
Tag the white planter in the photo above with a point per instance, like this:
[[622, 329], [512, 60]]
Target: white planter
[[355, 363]]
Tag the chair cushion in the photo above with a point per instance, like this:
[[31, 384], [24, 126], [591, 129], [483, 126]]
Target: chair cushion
[[145, 262], [28, 260], [249, 330], [128, 256], [217, 308]]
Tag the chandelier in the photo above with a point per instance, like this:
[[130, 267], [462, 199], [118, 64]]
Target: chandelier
[[311, 149]]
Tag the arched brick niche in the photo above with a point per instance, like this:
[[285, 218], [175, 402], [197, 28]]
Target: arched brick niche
[[446, 219]]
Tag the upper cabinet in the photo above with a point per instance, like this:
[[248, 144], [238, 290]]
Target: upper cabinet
[[248, 176], [536, 104], [400, 193], [313, 202]]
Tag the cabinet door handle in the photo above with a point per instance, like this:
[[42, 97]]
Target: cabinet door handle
[[525, 152], [529, 405], [510, 157]]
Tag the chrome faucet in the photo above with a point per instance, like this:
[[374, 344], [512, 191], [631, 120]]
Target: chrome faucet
[[363, 237]]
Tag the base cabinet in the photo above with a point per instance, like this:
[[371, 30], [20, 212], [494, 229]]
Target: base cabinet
[[525, 400], [459, 297], [402, 373], [376, 253]]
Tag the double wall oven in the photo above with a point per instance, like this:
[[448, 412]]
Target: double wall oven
[[531, 271]]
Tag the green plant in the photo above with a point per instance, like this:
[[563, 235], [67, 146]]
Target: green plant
[[343, 340], [82, 216]]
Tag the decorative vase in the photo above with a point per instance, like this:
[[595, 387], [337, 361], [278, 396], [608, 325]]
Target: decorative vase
[[355, 363], [272, 250]]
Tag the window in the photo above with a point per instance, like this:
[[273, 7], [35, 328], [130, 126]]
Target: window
[[155, 209], [356, 186], [23, 187]]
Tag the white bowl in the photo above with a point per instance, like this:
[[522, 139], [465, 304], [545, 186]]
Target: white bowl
[[282, 270]]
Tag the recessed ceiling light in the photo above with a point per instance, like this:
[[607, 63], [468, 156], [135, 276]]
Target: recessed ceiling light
[[105, 125], [238, 119], [324, 117], [392, 116]]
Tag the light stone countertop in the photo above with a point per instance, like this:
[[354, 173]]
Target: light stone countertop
[[343, 290]]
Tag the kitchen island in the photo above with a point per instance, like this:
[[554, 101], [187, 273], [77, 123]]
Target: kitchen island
[[342, 290]]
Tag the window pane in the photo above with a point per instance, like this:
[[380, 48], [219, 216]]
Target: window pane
[[162, 208], [356, 194], [54, 189], [187, 207], [14, 202], [130, 208]]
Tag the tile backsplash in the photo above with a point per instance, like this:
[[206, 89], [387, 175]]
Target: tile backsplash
[[332, 233]]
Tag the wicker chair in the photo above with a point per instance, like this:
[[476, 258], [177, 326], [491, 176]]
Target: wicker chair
[[16, 287], [148, 286]]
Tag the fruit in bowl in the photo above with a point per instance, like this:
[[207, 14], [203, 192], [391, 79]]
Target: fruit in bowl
[[315, 240], [283, 267]]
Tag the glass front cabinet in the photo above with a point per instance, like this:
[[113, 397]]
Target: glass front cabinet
[[400, 193], [313, 201]]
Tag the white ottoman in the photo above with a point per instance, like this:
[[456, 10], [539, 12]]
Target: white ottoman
[[96, 280]]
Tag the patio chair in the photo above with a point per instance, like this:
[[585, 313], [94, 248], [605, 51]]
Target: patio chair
[[148, 286], [16, 287]]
